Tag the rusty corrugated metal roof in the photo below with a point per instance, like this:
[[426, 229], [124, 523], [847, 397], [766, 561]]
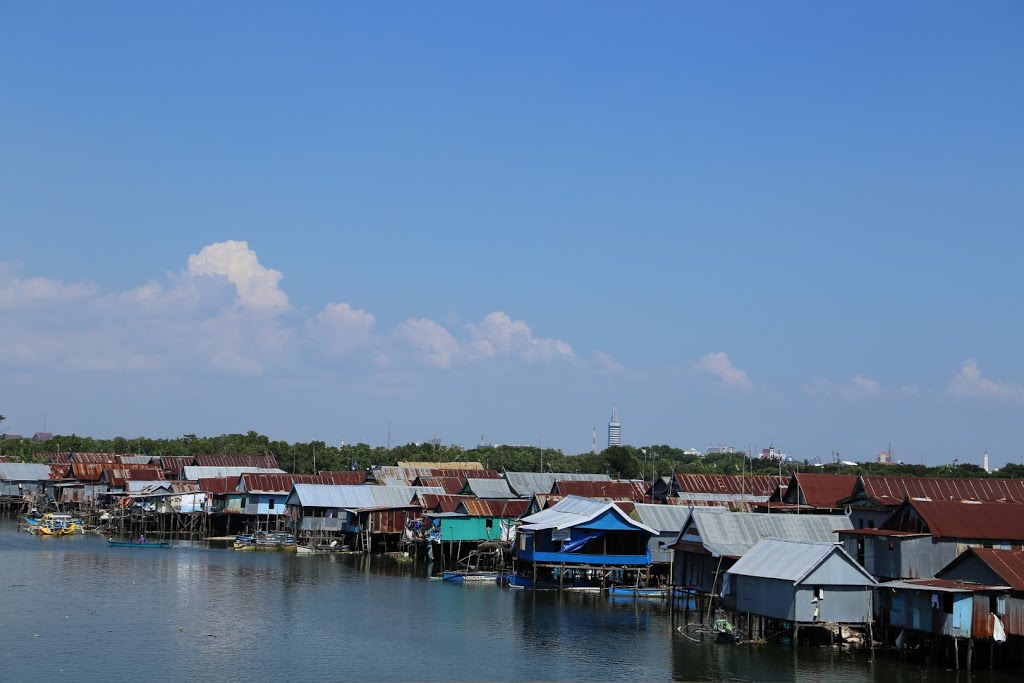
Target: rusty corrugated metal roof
[[967, 520], [450, 484], [941, 584], [891, 491], [821, 491], [440, 503], [756, 484], [457, 465], [117, 476], [601, 490], [345, 477], [57, 458], [493, 507], [4, 458], [1007, 564], [466, 474], [218, 485], [267, 461], [95, 458], [259, 482], [174, 464]]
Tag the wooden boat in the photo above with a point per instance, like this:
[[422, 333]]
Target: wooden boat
[[279, 540], [53, 524], [136, 544], [471, 577], [630, 592]]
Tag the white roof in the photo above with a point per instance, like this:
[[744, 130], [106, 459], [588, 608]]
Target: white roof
[[664, 518], [575, 510], [24, 471], [732, 534], [196, 472], [489, 488], [527, 484], [355, 497]]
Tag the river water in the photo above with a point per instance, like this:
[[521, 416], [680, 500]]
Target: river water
[[75, 609]]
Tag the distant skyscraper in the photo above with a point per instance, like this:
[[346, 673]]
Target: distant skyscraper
[[614, 429]]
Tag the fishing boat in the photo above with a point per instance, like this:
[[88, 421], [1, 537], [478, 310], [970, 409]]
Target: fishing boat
[[279, 540], [631, 592], [53, 524], [471, 577], [138, 544]]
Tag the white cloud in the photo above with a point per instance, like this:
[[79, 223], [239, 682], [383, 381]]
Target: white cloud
[[607, 363], [499, 334], [256, 285], [342, 329], [969, 383], [860, 388], [431, 343], [17, 292], [719, 365]]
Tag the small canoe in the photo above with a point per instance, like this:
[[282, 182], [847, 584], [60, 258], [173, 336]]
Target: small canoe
[[470, 577], [133, 544], [626, 591]]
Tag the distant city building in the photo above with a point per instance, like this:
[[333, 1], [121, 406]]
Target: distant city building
[[614, 429], [720, 450], [771, 453], [694, 452], [984, 463], [42, 436]]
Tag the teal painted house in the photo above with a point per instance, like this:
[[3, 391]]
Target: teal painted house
[[476, 521]]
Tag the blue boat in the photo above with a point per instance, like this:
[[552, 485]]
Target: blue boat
[[471, 577], [627, 592]]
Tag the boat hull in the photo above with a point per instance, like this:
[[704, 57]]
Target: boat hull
[[140, 546]]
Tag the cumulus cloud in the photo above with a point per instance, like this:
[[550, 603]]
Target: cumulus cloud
[[431, 343], [256, 285], [719, 365], [499, 334], [969, 383], [342, 329], [17, 292]]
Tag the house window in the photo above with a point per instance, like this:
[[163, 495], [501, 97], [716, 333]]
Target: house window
[[270, 504], [245, 503], [819, 593], [947, 603]]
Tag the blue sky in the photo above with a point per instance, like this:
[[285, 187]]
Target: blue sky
[[795, 223]]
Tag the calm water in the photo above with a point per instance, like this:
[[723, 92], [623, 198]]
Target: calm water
[[74, 609]]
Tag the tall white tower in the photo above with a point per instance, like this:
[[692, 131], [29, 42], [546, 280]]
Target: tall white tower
[[614, 429], [984, 463]]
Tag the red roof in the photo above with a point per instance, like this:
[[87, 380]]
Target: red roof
[[95, 458], [891, 491], [495, 507], [174, 464], [449, 484], [822, 491], [86, 471], [265, 461], [754, 484], [982, 521], [257, 482], [1008, 564], [116, 476], [437, 503], [951, 584], [4, 458], [601, 490], [218, 485], [345, 477]]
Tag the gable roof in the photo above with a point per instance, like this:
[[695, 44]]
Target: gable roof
[[604, 490], [754, 484], [450, 484], [890, 491], [263, 482], [1008, 565], [957, 519], [575, 511], [264, 461], [512, 508], [218, 485], [790, 560], [526, 484], [24, 471], [173, 464], [195, 473], [731, 534], [822, 491], [488, 488], [440, 503], [664, 518], [346, 497]]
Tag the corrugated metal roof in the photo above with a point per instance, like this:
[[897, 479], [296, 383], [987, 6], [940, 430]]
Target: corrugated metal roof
[[24, 471], [982, 521], [196, 473], [173, 464], [572, 511], [56, 458], [527, 484], [1007, 564], [457, 465], [96, 458], [488, 488], [467, 474], [822, 491], [731, 534], [756, 484], [120, 475], [134, 459], [4, 458], [891, 491], [216, 460], [432, 501], [509, 509], [345, 477], [941, 586], [449, 484], [355, 497], [664, 518], [775, 558], [146, 486], [259, 482], [218, 484], [605, 490]]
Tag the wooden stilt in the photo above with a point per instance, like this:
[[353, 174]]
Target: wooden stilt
[[956, 653], [970, 651]]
